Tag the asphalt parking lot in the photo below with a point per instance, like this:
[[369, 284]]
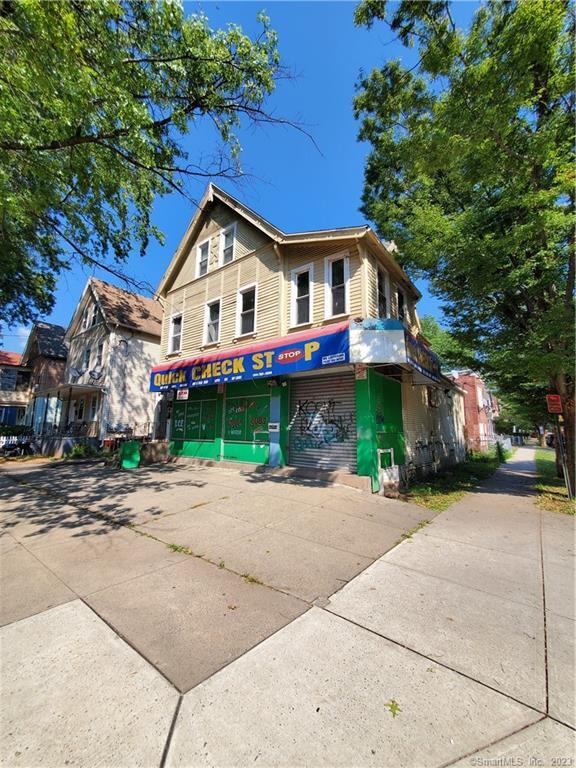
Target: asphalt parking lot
[[192, 566]]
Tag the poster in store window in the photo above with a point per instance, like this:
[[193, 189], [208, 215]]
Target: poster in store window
[[235, 419], [192, 430], [257, 415], [178, 421], [246, 419]]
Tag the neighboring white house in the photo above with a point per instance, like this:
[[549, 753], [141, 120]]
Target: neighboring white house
[[113, 340]]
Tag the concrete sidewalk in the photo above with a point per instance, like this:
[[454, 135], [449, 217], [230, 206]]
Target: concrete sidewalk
[[454, 648], [455, 645]]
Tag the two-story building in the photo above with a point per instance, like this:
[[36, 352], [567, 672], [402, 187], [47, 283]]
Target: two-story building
[[45, 356], [298, 349], [14, 388], [112, 341]]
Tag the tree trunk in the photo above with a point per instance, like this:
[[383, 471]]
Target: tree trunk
[[565, 388], [569, 434]]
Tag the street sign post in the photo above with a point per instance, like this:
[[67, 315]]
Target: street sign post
[[554, 403]]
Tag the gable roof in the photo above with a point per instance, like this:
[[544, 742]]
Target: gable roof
[[127, 309], [10, 358], [214, 194], [50, 340]]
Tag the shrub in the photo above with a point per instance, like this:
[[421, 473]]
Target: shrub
[[15, 430]]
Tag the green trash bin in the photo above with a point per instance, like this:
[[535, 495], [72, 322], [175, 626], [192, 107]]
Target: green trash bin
[[130, 454]]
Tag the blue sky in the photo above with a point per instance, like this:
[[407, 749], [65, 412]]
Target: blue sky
[[292, 182]]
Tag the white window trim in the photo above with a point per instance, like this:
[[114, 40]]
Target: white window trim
[[169, 349], [207, 306], [293, 275], [198, 253], [242, 290], [386, 291], [223, 233], [328, 287]]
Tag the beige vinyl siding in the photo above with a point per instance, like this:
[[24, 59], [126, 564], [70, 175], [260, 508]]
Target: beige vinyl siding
[[247, 240], [372, 277], [88, 339], [128, 399], [261, 268], [411, 316], [299, 256]]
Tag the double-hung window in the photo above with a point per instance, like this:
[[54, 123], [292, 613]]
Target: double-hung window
[[401, 305], [212, 329], [87, 356], [301, 298], [383, 294], [227, 237], [246, 320], [202, 256], [99, 354], [86, 318], [336, 268], [175, 334]]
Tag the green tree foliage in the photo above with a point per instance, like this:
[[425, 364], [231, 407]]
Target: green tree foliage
[[95, 100], [471, 173], [451, 353]]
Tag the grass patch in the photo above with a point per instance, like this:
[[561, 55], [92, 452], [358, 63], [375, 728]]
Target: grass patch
[[552, 493], [21, 459], [181, 548], [442, 490], [412, 531], [249, 579]]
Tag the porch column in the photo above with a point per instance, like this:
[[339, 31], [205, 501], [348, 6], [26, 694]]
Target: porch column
[[67, 411]]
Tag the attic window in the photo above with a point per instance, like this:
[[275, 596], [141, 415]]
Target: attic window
[[203, 256], [86, 318], [227, 237], [175, 338]]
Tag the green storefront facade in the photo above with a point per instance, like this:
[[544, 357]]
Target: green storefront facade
[[250, 421], [227, 422]]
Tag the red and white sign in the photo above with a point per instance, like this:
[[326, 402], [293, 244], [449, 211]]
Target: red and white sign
[[289, 355], [554, 403], [182, 394]]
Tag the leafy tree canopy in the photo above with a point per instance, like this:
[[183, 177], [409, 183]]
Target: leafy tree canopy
[[451, 353], [95, 99], [471, 173]]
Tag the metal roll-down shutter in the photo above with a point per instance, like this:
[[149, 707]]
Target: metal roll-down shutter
[[323, 422]]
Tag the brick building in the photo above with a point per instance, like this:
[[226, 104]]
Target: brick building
[[481, 408]]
